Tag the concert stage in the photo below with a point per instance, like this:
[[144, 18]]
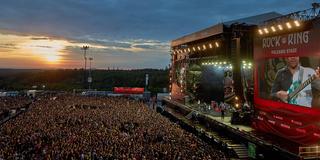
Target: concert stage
[[239, 140], [237, 63]]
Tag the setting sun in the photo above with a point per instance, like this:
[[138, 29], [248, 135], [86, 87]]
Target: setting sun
[[47, 50], [52, 58], [42, 51]]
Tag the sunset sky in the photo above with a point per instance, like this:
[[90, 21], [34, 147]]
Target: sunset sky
[[126, 34]]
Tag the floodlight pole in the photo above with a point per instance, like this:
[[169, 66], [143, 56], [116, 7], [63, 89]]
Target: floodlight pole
[[90, 77], [85, 48]]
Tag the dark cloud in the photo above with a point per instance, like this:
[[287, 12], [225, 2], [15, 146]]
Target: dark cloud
[[124, 19], [39, 38], [124, 25], [152, 46], [145, 46], [40, 46], [9, 46]]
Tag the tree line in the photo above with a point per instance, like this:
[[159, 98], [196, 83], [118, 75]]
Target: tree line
[[69, 79]]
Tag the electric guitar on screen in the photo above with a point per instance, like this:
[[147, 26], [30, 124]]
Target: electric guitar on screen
[[295, 88]]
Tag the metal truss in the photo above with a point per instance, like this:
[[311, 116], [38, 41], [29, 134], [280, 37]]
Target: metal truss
[[303, 15]]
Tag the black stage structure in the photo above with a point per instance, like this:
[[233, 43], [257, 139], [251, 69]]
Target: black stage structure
[[214, 66], [208, 65]]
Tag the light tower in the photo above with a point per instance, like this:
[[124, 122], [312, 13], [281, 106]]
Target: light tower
[[85, 48], [90, 77]]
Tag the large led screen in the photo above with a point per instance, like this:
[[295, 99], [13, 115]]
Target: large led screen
[[293, 80]]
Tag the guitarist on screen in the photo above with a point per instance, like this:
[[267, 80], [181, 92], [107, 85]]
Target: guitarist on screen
[[298, 85]]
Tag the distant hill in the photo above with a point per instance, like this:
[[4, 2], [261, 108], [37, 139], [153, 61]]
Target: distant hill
[[68, 79]]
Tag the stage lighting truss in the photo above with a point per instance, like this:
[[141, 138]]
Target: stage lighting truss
[[246, 65], [227, 65], [265, 30], [218, 64], [290, 21], [196, 48]]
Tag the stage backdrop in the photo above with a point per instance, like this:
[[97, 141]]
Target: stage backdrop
[[211, 84], [205, 82]]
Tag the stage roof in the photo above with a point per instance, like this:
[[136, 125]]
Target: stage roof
[[219, 28]]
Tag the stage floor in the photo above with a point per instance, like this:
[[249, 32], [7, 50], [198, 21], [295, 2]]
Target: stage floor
[[227, 121], [216, 115], [267, 138]]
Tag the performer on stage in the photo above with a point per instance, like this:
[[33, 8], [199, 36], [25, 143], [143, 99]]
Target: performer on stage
[[294, 78]]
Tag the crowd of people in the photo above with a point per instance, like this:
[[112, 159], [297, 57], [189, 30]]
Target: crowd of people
[[9, 103], [71, 127]]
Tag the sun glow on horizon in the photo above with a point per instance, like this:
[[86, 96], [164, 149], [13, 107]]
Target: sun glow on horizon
[[47, 50], [42, 51], [36, 51], [52, 58]]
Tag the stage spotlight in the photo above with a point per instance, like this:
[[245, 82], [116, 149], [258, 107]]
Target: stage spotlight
[[297, 23], [260, 32], [194, 49], [188, 49], [266, 30], [199, 48], [280, 27], [204, 47], [273, 29], [217, 44], [288, 25], [210, 45]]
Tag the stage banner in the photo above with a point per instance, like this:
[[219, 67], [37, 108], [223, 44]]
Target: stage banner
[[128, 90]]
